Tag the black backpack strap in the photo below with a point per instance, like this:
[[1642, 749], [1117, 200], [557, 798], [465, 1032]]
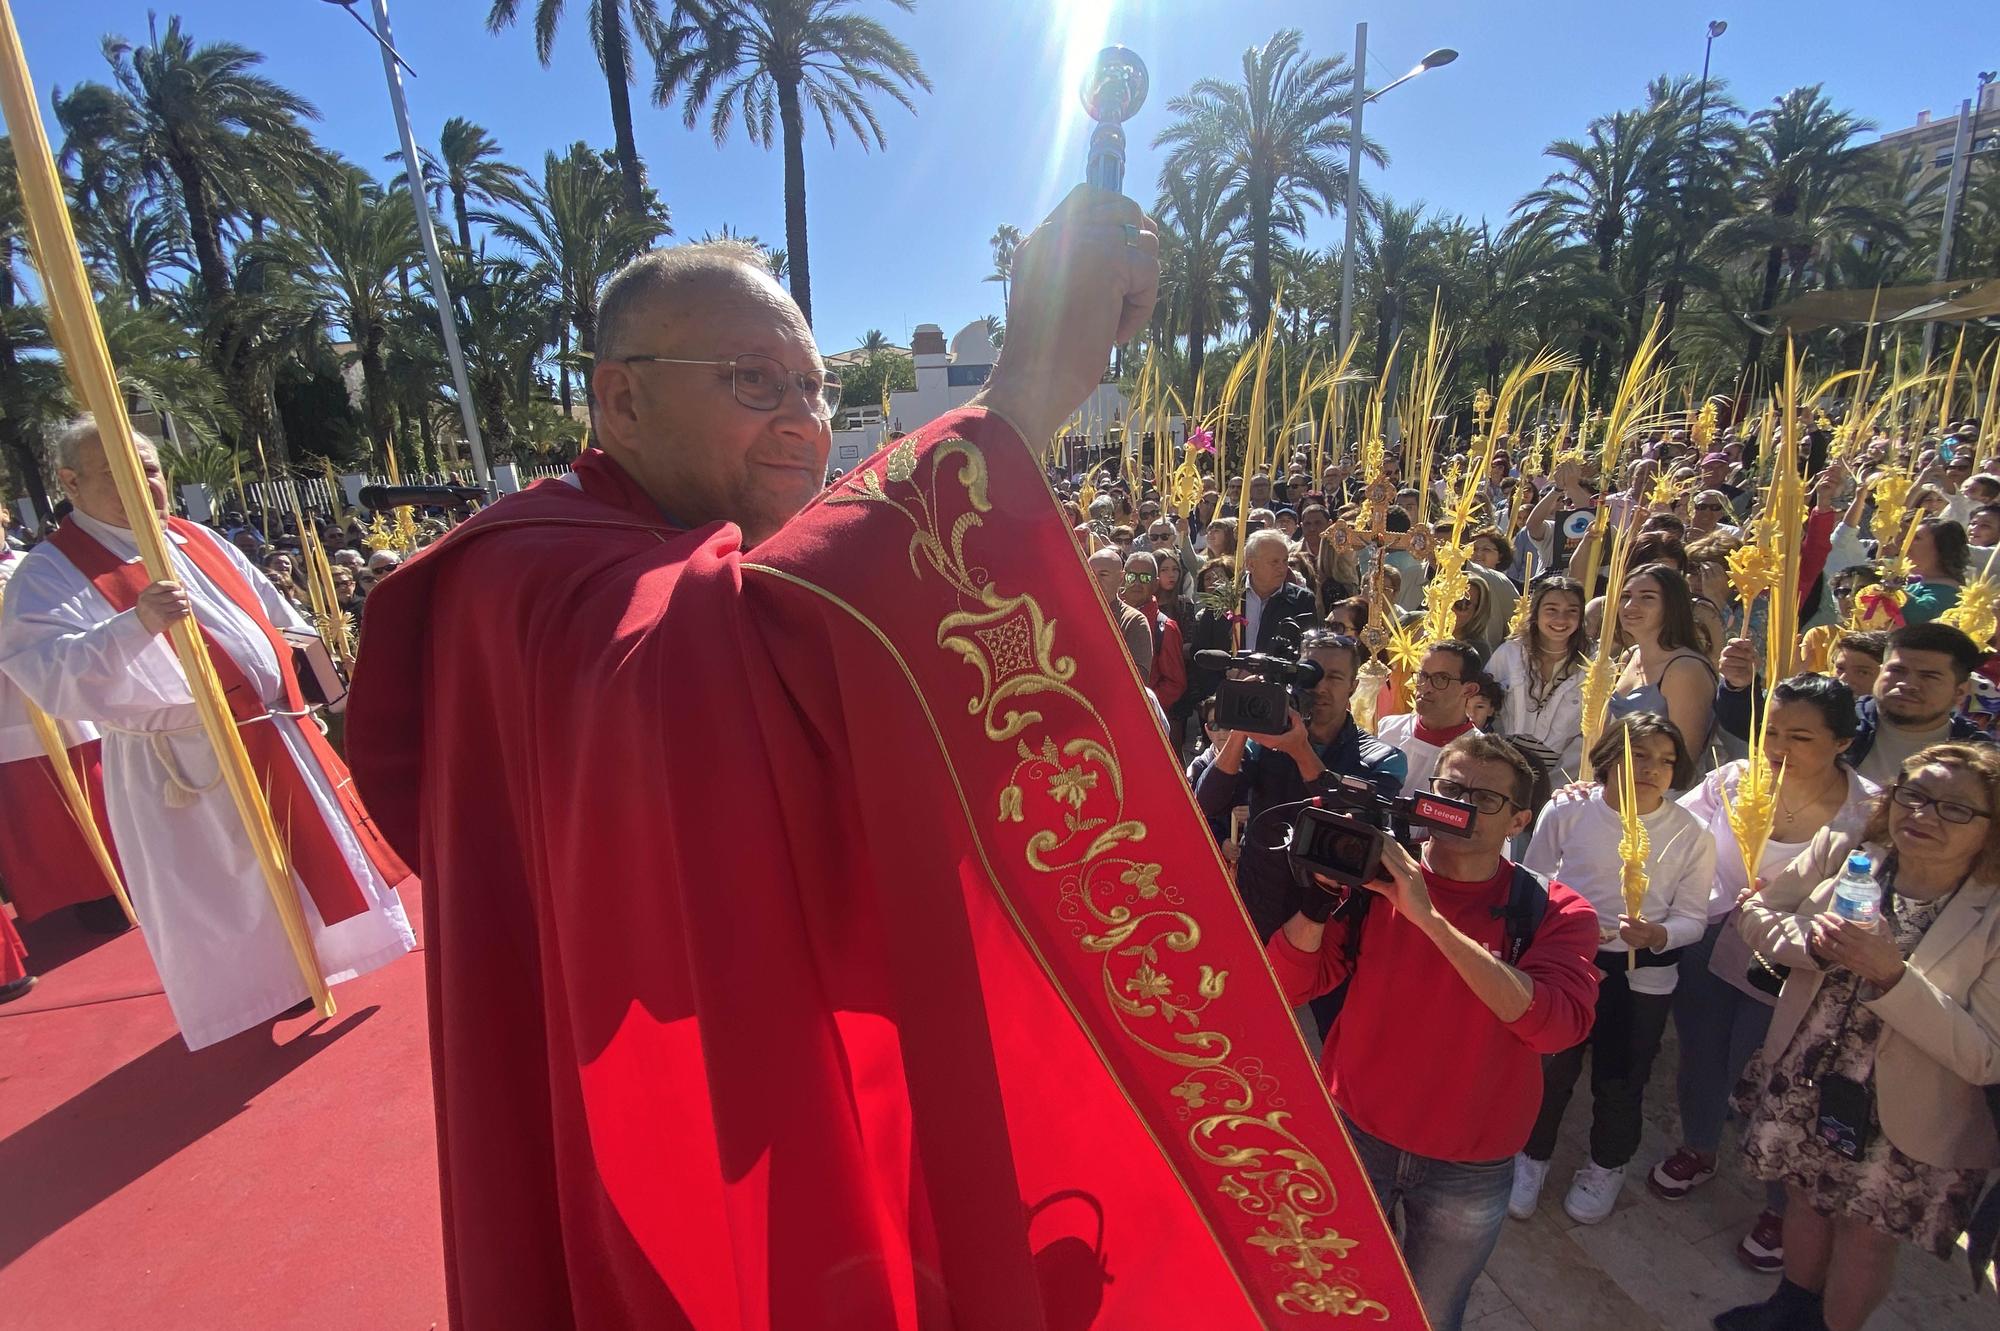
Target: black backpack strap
[[1527, 903]]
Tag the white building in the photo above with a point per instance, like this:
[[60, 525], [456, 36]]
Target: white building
[[947, 379]]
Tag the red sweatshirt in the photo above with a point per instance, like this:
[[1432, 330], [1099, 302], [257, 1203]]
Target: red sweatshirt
[[1416, 1058]]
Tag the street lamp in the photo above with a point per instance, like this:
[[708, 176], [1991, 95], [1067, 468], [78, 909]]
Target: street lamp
[[447, 319], [1444, 55]]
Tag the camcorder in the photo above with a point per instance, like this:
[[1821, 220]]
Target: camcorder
[[1340, 833], [1260, 705]]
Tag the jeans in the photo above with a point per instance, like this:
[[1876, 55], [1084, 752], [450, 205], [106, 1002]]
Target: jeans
[[1720, 1029], [1451, 1218], [1617, 1094]]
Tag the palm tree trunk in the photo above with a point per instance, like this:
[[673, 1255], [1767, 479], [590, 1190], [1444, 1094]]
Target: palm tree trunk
[[586, 342], [375, 409], [1197, 344], [562, 370], [1774, 263], [464, 220], [611, 24], [793, 120], [203, 231], [1260, 263]]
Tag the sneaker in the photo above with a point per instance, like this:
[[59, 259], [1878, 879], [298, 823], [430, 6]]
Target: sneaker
[[1763, 1248], [1594, 1193], [1529, 1176], [1680, 1174], [14, 989]]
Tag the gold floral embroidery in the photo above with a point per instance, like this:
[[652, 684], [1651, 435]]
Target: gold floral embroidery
[[1117, 906]]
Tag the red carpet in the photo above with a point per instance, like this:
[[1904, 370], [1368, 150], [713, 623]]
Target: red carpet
[[286, 1178]]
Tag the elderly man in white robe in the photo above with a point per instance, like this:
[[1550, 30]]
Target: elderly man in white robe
[[83, 631]]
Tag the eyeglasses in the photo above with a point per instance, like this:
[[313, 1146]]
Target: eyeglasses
[[1950, 810], [1139, 575], [761, 383], [1708, 508], [1436, 680], [1488, 802]]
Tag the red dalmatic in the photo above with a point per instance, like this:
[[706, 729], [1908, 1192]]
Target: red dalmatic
[[823, 936]]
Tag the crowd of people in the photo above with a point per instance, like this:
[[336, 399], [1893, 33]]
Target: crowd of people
[[1880, 745]]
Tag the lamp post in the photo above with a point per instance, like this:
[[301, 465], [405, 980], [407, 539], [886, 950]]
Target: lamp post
[[1954, 193], [1444, 55], [1716, 27], [426, 231], [1674, 292]]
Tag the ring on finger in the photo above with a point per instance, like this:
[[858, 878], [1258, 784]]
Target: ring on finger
[[1131, 235]]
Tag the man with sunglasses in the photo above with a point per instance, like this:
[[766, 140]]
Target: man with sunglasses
[[1166, 676], [1436, 1058]]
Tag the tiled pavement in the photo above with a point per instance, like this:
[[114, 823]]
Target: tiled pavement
[[1659, 1266]]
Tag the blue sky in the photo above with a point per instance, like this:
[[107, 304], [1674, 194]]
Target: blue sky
[[899, 237]]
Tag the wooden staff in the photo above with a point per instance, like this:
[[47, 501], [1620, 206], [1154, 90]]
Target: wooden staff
[[80, 339]]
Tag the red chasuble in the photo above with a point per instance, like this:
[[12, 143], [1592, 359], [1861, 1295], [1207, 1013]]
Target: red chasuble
[[823, 936]]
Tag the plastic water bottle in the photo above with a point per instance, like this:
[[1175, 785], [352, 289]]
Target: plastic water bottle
[[1855, 894]]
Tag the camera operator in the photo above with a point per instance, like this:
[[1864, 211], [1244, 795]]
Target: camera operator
[[1457, 992], [1283, 769]]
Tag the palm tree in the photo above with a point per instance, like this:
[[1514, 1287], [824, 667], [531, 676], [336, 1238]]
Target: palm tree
[[1806, 181], [572, 229], [1396, 248], [874, 341], [1598, 191], [1280, 136], [203, 122], [350, 260], [468, 168], [506, 333], [762, 57], [613, 43], [1004, 241], [1202, 254]]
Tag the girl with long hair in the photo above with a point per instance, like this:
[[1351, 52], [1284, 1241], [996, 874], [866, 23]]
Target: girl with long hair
[[1541, 669], [1666, 671]]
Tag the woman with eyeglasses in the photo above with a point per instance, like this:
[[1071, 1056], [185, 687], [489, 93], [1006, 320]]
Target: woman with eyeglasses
[[1541, 668], [1666, 671], [1722, 1007], [1867, 1100], [1576, 842]]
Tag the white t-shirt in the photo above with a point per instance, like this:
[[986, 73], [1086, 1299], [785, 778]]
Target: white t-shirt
[[1576, 842], [1557, 722]]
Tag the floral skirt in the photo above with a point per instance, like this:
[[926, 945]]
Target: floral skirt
[[1928, 1206]]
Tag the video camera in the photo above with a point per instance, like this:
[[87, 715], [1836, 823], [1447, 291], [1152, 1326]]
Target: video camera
[[1347, 846], [1259, 706]]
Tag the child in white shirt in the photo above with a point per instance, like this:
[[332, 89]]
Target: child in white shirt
[[1576, 841]]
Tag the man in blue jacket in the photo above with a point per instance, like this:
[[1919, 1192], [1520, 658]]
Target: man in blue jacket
[[1925, 679], [1280, 769]]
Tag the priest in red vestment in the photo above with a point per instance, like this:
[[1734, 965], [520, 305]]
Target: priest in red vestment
[[820, 932]]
